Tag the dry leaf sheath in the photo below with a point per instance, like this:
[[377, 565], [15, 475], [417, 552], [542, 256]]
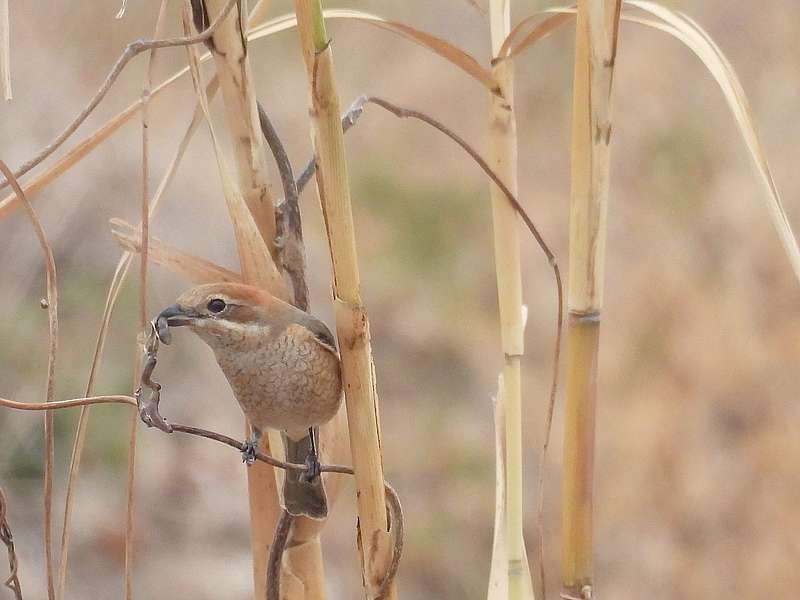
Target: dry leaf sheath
[[595, 53]]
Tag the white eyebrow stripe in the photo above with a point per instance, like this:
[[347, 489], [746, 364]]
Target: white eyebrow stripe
[[248, 328]]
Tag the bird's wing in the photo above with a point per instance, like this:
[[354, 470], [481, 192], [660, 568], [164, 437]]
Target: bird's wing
[[322, 335]]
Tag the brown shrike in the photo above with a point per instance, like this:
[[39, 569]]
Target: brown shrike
[[283, 367]]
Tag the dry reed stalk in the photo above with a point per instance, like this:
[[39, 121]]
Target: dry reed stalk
[[304, 564], [442, 48], [133, 419], [497, 584], [85, 146], [132, 50], [698, 41], [503, 160], [351, 318], [498, 575], [133, 422], [693, 36], [258, 268], [236, 82], [51, 304], [122, 9], [595, 52], [119, 277], [495, 580], [5, 50], [258, 13]]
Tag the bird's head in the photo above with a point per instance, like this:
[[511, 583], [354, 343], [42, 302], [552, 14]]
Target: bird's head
[[220, 312]]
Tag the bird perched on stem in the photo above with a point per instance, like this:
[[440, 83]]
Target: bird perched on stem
[[283, 367]]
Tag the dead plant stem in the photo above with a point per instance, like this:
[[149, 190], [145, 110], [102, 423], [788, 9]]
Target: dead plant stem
[[52, 318], [133, 49]]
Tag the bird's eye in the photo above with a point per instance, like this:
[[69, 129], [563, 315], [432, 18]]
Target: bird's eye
[[216, 305]]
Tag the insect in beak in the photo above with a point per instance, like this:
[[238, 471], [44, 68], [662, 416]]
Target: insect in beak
[[173, 316]]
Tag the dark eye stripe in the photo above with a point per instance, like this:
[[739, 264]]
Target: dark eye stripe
[[216, 305]]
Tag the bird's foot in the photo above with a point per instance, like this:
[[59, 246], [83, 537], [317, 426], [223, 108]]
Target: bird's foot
[[313, 469], [249, 452]]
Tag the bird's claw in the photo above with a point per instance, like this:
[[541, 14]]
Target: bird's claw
[[249, 452], [313, 469]]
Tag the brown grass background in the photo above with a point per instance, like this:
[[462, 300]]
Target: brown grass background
[[698, 442]]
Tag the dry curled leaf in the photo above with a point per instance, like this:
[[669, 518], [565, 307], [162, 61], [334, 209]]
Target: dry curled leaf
[[191, 267], [439, 46]]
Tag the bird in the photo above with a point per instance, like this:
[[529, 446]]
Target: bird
[[283, 367]]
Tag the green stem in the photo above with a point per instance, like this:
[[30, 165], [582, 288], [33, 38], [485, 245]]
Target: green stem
[[318, 33]]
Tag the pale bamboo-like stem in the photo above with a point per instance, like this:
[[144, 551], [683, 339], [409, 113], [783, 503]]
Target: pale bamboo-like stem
[[304, 564], [498, 574], [236, 82], [351, 318], [595, 51], [259, 269], [503, 160]]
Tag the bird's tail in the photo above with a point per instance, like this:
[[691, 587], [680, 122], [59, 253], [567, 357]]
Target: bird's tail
[[301, 497]]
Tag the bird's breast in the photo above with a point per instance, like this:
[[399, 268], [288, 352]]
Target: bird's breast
[[286, 381]]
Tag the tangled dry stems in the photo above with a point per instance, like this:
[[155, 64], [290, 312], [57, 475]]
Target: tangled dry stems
[[290, 220], [12, 582], [393, 502], [279, 543]]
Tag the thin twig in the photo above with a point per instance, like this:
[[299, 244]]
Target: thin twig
[[288, 220], [12, 582], [477, 6], [276, 550], [132, 50], [394, 507], [71, 403], [348, 120], [283, 223], [52, 318], [83, 419], [414, 114], [149, 395], [119, 277], [397, 525], [548, 427]]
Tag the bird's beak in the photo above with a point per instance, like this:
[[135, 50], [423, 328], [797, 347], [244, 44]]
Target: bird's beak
[[173, 316]]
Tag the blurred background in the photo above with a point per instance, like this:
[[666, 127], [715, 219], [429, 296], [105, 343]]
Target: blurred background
[[698, 439]]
